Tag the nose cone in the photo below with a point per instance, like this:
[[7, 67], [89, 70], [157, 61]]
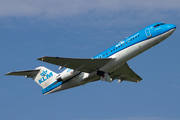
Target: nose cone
[[171, 27]]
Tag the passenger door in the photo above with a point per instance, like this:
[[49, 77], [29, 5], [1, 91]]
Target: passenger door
[[148, 33]]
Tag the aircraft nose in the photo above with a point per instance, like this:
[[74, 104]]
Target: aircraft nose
[[171, 26]]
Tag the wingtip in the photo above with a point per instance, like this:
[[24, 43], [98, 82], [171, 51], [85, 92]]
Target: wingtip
[[41, 58], [7, 73]]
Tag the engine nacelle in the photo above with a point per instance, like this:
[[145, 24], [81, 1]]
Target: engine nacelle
[[66, 74], [106, 77]]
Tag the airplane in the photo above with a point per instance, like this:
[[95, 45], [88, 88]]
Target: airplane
[[107, 66]]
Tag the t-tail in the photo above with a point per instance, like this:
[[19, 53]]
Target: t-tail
[[42, 76]]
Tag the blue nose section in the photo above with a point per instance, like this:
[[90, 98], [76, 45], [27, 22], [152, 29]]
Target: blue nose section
[[171, 26]]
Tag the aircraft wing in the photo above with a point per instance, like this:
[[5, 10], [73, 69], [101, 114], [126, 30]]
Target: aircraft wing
[[84, 65], [125, 73]]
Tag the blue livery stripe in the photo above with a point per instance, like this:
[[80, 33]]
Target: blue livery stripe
[[53, 85]]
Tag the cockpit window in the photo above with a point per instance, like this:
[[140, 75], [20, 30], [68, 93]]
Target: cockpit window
[[158, 25]]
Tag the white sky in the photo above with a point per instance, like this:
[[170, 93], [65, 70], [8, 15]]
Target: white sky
[[59, 8]]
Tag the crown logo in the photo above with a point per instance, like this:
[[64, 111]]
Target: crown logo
[[43, 73]]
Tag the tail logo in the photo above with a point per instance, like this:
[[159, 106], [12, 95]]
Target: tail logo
[[43, 73], [45, 76]]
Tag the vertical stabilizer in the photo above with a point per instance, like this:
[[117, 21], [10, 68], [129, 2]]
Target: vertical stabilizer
[[45, 77]]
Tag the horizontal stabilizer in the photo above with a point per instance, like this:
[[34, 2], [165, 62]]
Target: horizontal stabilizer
[[41, 75], [27, 73], [84, 65]]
